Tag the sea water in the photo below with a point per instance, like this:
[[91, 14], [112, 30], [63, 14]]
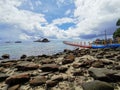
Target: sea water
[[30, 48]]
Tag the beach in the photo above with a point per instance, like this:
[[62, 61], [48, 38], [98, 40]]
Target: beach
[[78, 69]]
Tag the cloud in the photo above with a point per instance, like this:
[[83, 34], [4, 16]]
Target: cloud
[[95, 16], [29, 19]]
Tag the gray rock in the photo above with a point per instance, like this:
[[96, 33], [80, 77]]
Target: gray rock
[[39, 80], [97, 85], [49, 67], [5, 56], [104, 74], [3, 76]]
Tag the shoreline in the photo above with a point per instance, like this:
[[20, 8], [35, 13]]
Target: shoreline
[[67, 70]]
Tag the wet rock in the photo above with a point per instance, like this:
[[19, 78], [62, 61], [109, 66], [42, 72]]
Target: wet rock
[[23, 56], [108, 56], [76, 65], [97, 64], [47, 61], [17, 79], [3, 76], [68, 59], [86, 63], [15, 87], [104, 74], [27, 66], [49, 67], [77, 73], [51, 83], [99, 56], [63, 69], [57, 78], [97, 85], [39, 80], [6, 56], [7, 64]]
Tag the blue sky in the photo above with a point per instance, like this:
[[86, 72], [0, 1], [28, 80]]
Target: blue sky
[[57, 19]]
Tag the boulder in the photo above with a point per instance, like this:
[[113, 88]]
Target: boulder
[[104, 74], [23, 56], [51, 83], [97, 85], [14, 87], [49, 67], [68, 59], [47, 61], [17, 79], [7, 64], [77, 73], [57, 78], [63, 69], [27, 66], [97, 64], [3, 77], [5, 56], [39, 80]]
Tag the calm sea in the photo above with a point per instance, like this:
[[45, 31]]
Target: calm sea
[[32, 48]]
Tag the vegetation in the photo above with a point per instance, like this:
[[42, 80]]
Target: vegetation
[[118, 22], [117, 32]]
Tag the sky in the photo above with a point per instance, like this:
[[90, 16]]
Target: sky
[[57, 19]]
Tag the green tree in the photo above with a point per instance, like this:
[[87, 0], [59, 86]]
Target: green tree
[[118, 22], [116, 33]]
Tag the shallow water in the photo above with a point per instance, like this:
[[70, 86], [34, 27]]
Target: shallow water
[[32, 48]]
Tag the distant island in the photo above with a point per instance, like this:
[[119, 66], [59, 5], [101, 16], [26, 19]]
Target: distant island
[[42, 40], [18, 41]]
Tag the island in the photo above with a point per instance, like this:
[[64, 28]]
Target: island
[[42, 40]]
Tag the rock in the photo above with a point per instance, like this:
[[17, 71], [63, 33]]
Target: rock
[[18, 41], [5, 56], [7, 64], [23, 56], [57, 78], [27, 66], [15, 87], [97, 64], [97, 85], [99, 56], [51, 83], [77, 73], [17, 79], [49, 67], [45, 40], [39, 80], [68, 59], [76, 65], [104, 74], [63, 69], [87, 63], [47, 61], [3, 76], [42, 40]]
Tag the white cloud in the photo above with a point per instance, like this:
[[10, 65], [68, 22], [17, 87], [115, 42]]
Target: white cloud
[[61, 21], [90, 16], [68, 12]]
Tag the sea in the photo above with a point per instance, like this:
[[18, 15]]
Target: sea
[[30, 48]]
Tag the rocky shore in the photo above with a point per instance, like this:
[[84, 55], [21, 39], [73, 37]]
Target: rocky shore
[[84, 69]]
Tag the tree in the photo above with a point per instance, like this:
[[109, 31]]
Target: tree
[[118, 22], [116, 33]]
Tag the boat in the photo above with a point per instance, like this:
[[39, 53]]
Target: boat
[[96, 45], [92, 45]]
